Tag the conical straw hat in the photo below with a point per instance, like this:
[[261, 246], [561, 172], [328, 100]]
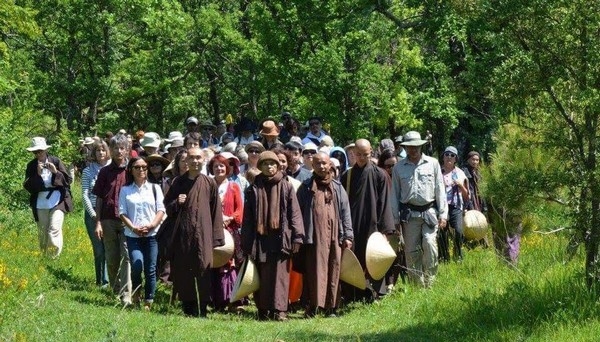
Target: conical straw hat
[[379, 255], [247, 281], [476, 225], [223, 253], [351, 272]]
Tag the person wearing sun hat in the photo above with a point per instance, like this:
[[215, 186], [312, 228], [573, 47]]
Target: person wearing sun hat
[[270, 134], [150, 143], [420, 208], [48, 183], [272, 231], [457, 194]]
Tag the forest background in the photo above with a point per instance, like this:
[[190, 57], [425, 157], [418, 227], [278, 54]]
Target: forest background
[[517, 80]]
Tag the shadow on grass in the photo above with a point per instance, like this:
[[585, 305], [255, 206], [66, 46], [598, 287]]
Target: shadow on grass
[[65, 279], [517, 313]]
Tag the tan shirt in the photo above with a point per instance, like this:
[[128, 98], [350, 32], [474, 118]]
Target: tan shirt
[[418, 184]]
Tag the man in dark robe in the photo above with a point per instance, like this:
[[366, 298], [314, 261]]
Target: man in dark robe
[[272, 230], [368, 189], [194, 199], [328, 229]]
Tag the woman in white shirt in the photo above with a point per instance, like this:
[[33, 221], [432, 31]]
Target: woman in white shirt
[[141, 209]]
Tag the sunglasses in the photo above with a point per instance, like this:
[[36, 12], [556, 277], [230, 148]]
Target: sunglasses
[[253, 151], [140, 167], [311, 152], [155, 164], [449, 154]]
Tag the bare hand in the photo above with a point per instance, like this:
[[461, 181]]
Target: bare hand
[[227, 220], [442, 223], [347, 244], [181, 198], [296, 247], [51, 167], [99, 233]]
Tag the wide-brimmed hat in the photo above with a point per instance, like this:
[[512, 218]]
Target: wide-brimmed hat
[[207, 124], [230, 156], [310, 147], [476, 225], [222, 254], [413, 138], [38, 144], [175, 143], [157, 157], [173, 136], [350, 271], [247, 281], [269, 128], [191, 120], [151, 139], [379, 255], [398, 139], [88, 141], [254, 144], [451, 149]]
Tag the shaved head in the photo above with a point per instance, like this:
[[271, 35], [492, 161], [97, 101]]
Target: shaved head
[[362, 143], [362, 152], [321, 164]]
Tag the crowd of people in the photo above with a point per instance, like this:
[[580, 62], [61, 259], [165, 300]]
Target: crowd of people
[[286, 198]]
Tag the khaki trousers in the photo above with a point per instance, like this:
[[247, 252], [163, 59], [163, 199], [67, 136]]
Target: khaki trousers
[[421, 251], [50, 236]]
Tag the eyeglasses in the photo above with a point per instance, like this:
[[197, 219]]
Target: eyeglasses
[[449, 154], [311, 152], [253, 151], [38, 151], [140, 167]]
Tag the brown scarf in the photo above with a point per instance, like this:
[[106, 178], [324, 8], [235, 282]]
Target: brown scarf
[[320, 212], [268, 190]]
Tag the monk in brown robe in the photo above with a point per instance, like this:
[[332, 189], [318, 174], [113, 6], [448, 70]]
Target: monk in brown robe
[[328, 227], [369, 191], [272, 231], [194, 199]]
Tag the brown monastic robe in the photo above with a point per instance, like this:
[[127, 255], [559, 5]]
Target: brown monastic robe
[[198, 228]]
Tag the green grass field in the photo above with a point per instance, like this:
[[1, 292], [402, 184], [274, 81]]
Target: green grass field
[[482, 299]]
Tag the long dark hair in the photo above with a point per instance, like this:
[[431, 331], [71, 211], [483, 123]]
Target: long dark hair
[[129, 175], [176, 160]]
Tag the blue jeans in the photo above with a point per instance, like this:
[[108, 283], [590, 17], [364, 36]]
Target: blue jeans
[[98, 249], [143, 252]]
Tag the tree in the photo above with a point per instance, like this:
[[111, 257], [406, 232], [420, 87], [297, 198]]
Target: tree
[[542, 63]]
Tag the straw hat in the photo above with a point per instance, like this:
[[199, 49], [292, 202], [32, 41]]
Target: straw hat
[[222, 254], [38, 144], [157, 157], [379, 255], [476, 225], [351, 272], [247, 281]]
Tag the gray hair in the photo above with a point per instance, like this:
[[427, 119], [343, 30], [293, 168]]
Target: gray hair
[[119, 140]]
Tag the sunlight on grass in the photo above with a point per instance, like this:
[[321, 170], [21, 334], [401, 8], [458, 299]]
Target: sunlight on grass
[[482, 299]]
